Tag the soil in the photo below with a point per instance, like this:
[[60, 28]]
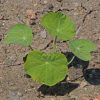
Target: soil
[[15, 84]]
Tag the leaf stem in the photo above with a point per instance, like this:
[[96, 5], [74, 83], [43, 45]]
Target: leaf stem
[[71, 60], [54, 44]]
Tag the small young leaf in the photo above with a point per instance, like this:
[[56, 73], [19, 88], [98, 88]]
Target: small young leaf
[[82, 48], [47, 69], [58, 24], [19, 34]]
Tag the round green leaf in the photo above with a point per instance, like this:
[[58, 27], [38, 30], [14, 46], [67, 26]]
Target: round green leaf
[[58, 24], [19, 34], [82, 48], [47, 69]]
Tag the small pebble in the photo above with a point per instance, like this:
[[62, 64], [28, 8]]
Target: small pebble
[[76, 4], [97, 97], [3, 23], [31, 14], [32, 85], [83, 84], [72, 98], [53, 98], [35, 4], [75, 13], [43, 34], [85, 98], [28, 90], [19, 94], [45, 2], [11, 84], [1, 17], [50, 6], [13, 88]]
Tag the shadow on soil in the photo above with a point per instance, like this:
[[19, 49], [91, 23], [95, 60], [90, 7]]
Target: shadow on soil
[[60, 89], [76, 63], [24, 58], [92, 76]]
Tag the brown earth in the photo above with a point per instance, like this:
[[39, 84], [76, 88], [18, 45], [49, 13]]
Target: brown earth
[[14, 83]]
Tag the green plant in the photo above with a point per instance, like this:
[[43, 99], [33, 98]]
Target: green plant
[[50, 68], [19, 34]]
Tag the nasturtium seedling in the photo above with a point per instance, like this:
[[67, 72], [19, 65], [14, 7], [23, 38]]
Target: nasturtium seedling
[[82, 48], [46, 68], [19, 34], [58, 24], [50, 68]]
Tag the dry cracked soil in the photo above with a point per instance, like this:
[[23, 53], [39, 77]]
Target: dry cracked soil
[[14, 83]]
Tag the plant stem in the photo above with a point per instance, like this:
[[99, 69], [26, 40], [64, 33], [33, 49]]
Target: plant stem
[[71, 60], [54, 44], [30, 47]]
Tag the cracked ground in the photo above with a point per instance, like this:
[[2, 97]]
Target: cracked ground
[[14, 83]]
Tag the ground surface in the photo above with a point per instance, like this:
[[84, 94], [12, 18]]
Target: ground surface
[[14, 84]]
